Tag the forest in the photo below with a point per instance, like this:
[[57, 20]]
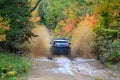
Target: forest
[[62, 18]]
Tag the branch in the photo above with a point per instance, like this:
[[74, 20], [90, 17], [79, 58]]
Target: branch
[[35, 6]]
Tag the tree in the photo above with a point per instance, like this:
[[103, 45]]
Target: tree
[[18, 13], [35, 5], [53, 12], [108, 30]]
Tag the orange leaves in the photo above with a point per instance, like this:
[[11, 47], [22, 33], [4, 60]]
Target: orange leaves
[[89, 20], [64, 28], [59, 33], [34, 13], [2, 37], [70, 20], [34, 19], [2, 29], [69, 25]]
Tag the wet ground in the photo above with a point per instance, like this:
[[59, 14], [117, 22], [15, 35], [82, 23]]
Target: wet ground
[[62, 68]]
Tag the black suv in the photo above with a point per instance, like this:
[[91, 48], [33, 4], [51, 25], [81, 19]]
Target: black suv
[[60, 47]]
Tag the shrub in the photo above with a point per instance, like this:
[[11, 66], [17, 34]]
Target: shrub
[[107, 47], [12, 66]]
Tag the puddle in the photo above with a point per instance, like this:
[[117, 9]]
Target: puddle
[[82, 66]]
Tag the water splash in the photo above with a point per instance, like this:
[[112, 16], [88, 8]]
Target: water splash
[[82, 41], [40, 45]]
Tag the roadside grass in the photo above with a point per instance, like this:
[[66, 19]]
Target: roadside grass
[[13, 66]]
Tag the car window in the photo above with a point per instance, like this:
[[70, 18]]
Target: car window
[[61, 43]]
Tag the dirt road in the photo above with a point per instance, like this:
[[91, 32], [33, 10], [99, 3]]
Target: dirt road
[[61, 68]]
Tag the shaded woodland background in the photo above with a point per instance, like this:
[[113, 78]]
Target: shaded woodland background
[[28, 26], [63, 18]]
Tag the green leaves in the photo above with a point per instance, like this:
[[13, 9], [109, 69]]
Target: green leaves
[[53, 11], [12, 66], [15, 13], [99, 1], [108, 47]]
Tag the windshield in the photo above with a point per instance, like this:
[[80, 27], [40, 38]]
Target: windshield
[[61, 43]]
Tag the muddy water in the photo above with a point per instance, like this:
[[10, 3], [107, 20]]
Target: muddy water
[[82, 38], [82, 41], [40, 45], [61, 68]]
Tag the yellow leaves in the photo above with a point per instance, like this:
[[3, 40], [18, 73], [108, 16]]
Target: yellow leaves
[[34, 16], [34, 19], [2, 25], [69, 13], [62, 23], [34, 13], [73, 5], [32, 3], [6, 71], [38, 18], [2, 37], [11, 73], [2, 29], [89, 20], [65, 12], [107, 12], [1, 19]]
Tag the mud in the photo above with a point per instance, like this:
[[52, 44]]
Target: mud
[[40, 45], [62, 68], [83, 41]]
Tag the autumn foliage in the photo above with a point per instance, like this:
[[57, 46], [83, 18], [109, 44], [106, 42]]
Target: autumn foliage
[[83, 37], [69, 25], [90, 20], [3, 28]]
